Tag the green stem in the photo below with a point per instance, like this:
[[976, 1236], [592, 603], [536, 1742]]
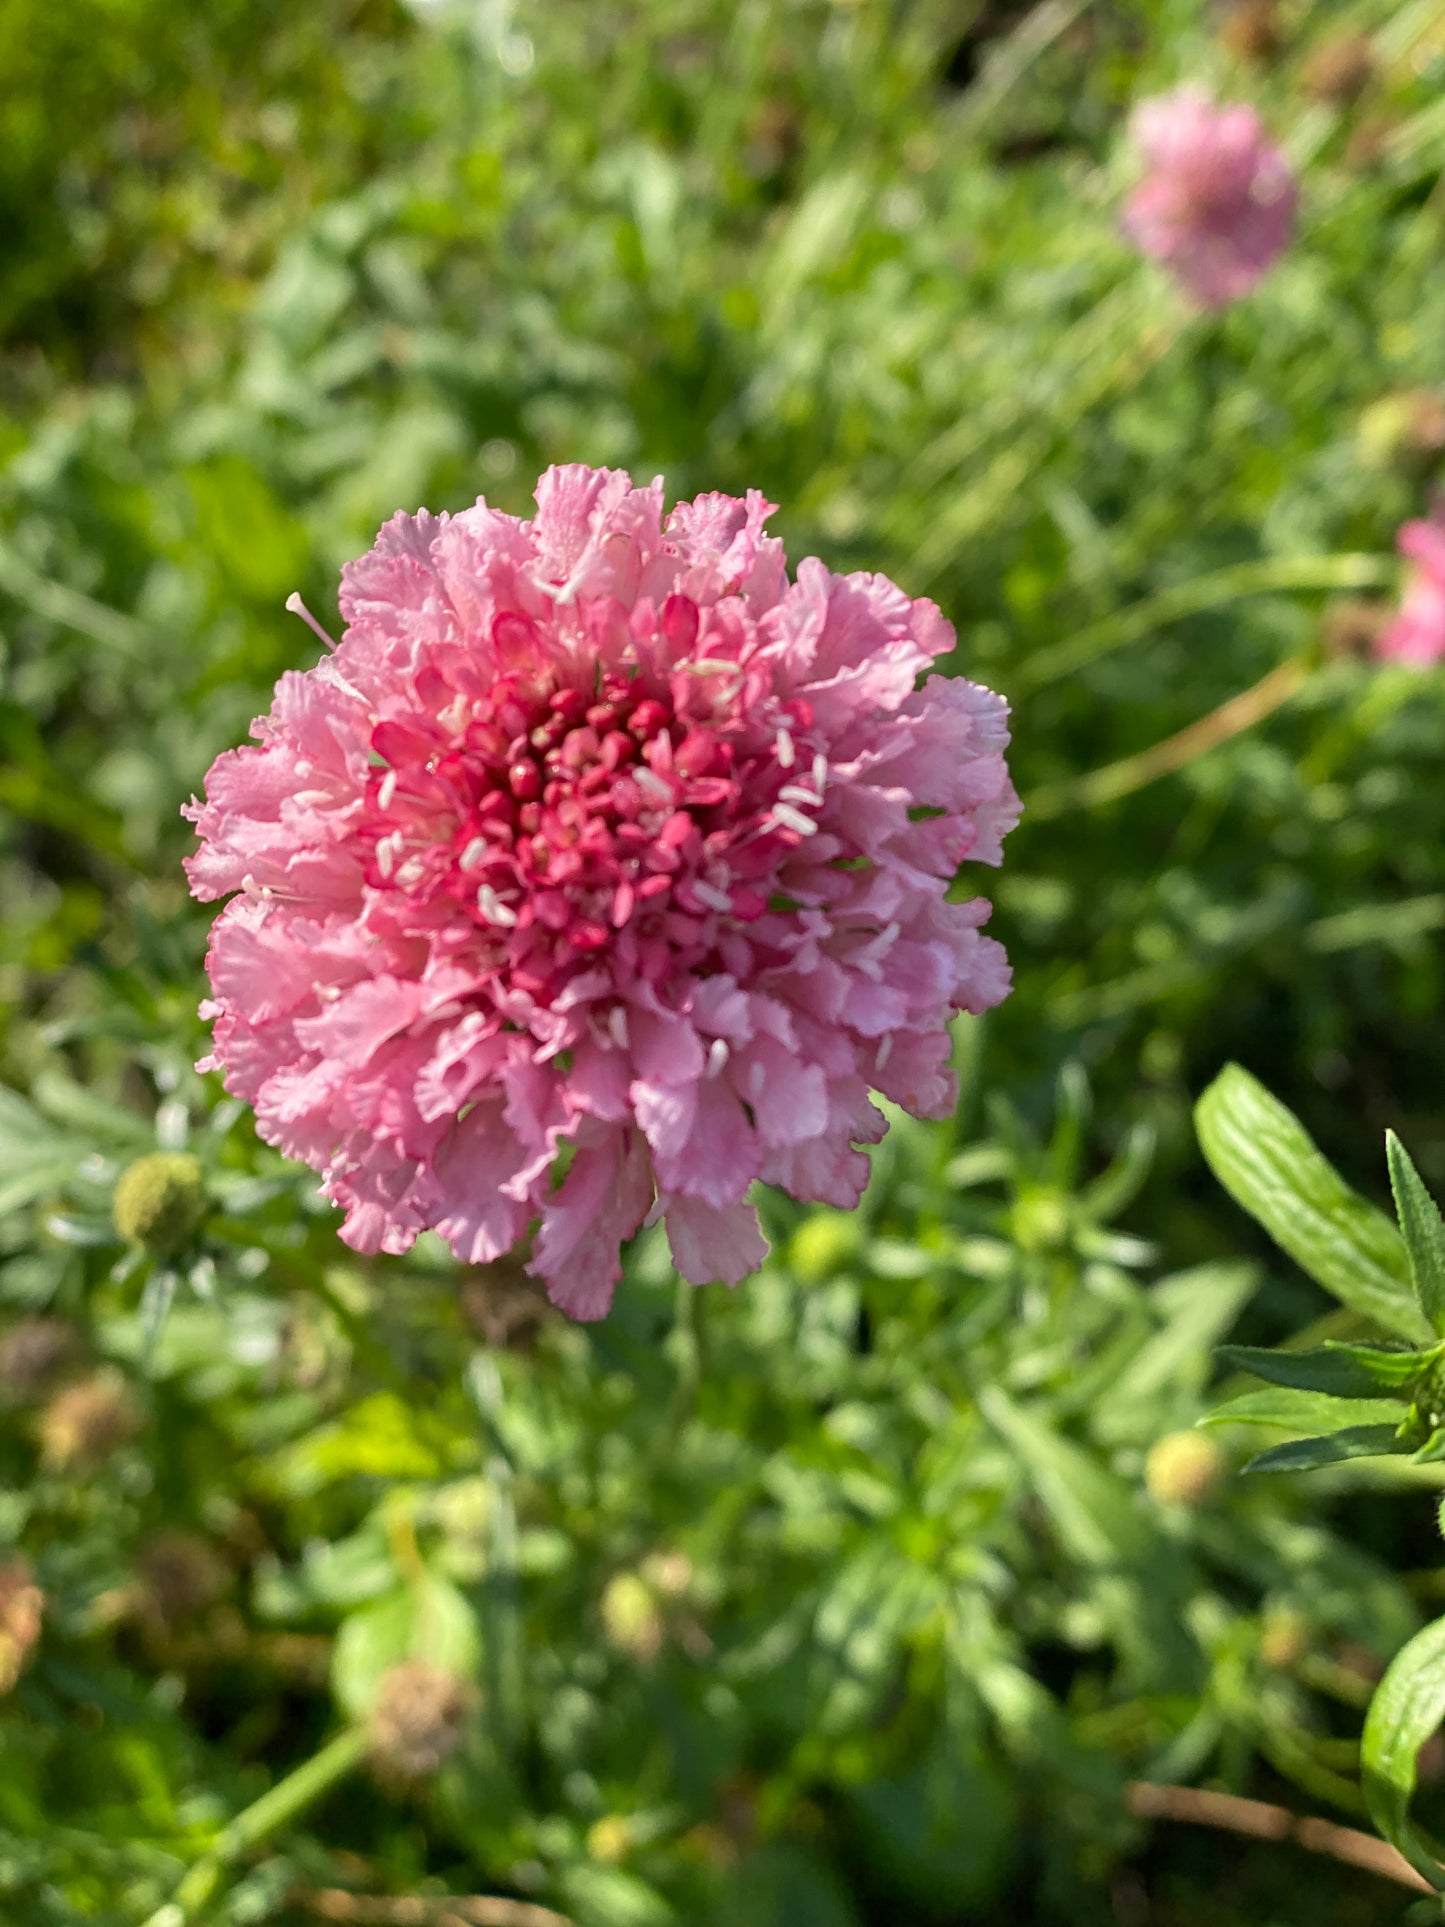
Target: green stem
[[1271, 575], [1175, 752], [276, 1808]]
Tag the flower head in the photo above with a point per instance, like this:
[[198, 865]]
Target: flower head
[[159, 1200], [418, 1720], [1417, 634], [1218, 202], [601, 843]]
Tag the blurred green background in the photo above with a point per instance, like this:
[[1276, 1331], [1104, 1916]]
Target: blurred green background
[[843, 1600]]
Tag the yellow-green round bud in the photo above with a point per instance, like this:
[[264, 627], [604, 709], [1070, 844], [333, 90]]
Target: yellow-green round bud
[[609, 1839], [630, 1617], [823, 1244], [1404, 431], [158, 1201], [1284, 1638], [1184, 1468]]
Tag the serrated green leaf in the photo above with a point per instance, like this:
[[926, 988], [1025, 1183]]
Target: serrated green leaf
[[1293, 1409], [1432, 1451], [1342, 1371], [1303, 1455], [1266, 1160], [1422, 1230], [1408, 1706]]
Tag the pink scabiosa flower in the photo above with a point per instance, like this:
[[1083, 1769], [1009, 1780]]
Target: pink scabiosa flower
[[1417, 634], [601, 849], [1218, 202]]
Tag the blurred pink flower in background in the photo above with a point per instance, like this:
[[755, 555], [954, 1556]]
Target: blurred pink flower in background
[[1218, 202], [600, 846], [1417, 634]]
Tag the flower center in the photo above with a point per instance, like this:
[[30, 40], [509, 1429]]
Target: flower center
[[651, 816]]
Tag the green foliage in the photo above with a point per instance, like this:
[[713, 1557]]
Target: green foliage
[[847, 1596]]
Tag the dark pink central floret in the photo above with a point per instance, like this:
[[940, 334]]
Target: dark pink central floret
[[599, 836], [646, 816]]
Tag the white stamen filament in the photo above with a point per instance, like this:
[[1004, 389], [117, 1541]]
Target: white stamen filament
[[298, 608], [787, 754], [655, 785], [655, 1211], [474, 852], [493, 908], [792, 819], [387, 790]]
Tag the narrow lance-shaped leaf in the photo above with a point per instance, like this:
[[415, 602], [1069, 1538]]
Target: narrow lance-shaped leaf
[[1290, 1409], [1265, 1159], [1303, 1455], [1342, 1371], [1422, 1230], [1408, 1706]]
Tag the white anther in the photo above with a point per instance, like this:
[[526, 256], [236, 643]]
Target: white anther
[[885, 1051], [474, 852], [386, 855], [493, 908], [792, 819], [787, 754], [714, 898], [328, 993], [820, 772], [795, 793], [717, 1055], [387, 790], [412, 871], [655, 785], [617, 1026], [312, 799]]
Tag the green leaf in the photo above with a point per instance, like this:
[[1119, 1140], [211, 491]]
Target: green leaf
[[1422, 1230], [1303, 1455], [1265, 1159], [1294, 1410], [1408, 1706], [1343, 1371]]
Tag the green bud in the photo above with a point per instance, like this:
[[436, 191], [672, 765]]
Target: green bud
[[1184, 1468], [159, 1200]]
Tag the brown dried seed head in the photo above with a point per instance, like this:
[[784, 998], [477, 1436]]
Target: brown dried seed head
[[158, 1201], [1341, 69], [417, 1721], [178, 1575], [34, 1355], [82, 1425], [1184, 1468], [1252, 30], [22, 1607], [1352, 626]]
